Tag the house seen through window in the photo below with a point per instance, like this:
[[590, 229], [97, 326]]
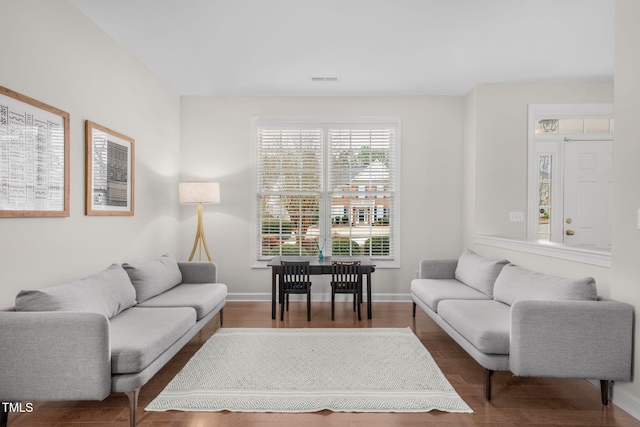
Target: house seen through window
[[326, 186]]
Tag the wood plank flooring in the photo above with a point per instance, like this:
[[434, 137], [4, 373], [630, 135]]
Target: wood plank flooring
[[516, 401]]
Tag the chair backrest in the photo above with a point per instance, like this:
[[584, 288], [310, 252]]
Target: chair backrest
[[295, 274], [345, 275]]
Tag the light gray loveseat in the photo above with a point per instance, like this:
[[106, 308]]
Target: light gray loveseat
[[511, 319], [110, 332]]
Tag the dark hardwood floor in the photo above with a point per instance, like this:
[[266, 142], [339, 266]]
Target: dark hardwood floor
[[516, 401]]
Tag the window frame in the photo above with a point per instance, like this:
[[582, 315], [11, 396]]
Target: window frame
[[325, 204], [552, 144]]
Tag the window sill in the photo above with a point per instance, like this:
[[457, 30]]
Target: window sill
[[379, 264], [599, 257]]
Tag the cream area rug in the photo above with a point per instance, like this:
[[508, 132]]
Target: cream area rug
[[308, 370]]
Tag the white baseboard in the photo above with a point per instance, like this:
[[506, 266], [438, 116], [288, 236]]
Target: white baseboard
[[622, 399], [325, 297], [627, 402]]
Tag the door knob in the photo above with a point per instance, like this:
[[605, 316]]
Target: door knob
[[569, 220], [570, 232]]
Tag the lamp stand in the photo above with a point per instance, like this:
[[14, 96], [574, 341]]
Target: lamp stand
[[200, 239]]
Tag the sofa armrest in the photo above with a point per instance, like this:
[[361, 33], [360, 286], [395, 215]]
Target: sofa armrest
[[438, 268], [572, 339], [198, 272], [54, 356]]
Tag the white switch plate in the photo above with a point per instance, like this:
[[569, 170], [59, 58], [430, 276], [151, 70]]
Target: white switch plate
[[516, 216]]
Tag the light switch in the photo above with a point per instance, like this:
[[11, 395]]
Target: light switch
[[516, 216]]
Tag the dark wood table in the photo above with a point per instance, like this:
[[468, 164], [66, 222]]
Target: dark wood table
[[319, 267]]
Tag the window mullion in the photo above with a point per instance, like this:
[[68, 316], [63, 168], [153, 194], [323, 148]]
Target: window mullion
[[324, 240]]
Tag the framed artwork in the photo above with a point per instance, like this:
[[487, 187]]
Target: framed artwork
[[109, 171], [34, 158]]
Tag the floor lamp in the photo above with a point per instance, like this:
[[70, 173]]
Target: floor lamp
[[199, 193]]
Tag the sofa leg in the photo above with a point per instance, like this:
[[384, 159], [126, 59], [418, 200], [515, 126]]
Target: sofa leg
[[487, 383], [221, 316], [133, 405], [604, 391], [414, 309]]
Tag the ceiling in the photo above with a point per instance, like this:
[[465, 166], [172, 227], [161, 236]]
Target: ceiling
[[373, 47]]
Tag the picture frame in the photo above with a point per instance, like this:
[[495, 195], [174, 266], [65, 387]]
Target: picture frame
[[34, 158], [110, 172]]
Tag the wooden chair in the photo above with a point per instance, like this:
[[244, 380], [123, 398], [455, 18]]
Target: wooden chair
[[294, 279], [346, 279]]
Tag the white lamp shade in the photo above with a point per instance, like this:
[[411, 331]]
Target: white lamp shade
[[193, 193]]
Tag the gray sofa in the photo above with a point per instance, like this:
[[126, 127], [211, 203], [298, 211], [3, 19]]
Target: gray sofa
[[511, 319], [110, 332]]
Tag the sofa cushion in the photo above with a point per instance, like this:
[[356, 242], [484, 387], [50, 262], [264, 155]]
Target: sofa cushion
[[517, 284], [485, 324], [203, 297], [432, 291], [140, 335], [478, 272], [108, 292], [153, 277]]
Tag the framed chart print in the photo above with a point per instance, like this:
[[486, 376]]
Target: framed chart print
[[34, 158], [109, 171]]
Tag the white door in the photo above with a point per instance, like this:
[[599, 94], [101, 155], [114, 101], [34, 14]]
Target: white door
[[587, 189]]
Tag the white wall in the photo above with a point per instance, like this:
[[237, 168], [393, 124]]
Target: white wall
[[215, 137], [469, 169], [625, 281], [501, 146], [500, 184], [53, 53], [498, 151]]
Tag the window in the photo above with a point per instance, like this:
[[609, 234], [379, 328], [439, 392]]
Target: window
[[330, 185], [544, 196]]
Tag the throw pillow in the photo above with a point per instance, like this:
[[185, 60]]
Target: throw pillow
[[517, 284], [478, 272], [108, 292], [151, 278]]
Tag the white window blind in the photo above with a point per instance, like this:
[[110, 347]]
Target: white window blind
[[361, 178], [324, 186], [289, 172]]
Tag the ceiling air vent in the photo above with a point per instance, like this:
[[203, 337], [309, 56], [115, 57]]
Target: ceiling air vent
[[324, 79]]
